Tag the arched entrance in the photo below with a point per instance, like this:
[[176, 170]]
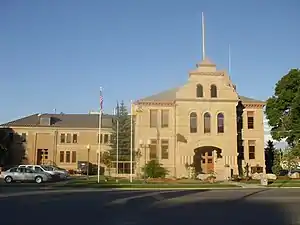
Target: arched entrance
[[203, 158]]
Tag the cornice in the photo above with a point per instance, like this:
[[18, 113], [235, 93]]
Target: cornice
[[216, 73], [155, 103], [254, 105]]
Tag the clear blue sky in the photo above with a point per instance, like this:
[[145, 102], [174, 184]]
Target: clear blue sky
[[56, 54]]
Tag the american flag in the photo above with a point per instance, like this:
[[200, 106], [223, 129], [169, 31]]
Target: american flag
[[101, 100]]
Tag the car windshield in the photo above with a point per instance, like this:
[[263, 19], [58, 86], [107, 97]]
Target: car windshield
[[58, 168], [48, 168]]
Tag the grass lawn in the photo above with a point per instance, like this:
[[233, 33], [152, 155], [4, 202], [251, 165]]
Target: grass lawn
[[277, 183], [140, 184], [285, 183]]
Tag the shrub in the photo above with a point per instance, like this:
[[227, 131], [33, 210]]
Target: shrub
[[154, 169]]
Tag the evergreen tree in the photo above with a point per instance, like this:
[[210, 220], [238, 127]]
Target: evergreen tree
[[123, 118], [269, 156], [277, 162]]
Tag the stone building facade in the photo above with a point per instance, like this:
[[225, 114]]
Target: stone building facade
[[184, 126]]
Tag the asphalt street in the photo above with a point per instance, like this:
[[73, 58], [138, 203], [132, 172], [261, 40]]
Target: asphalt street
[[209, 207]]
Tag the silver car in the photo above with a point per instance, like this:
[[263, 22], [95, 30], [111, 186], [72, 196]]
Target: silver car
[[23, 175]]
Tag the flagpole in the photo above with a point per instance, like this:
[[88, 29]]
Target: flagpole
[[131, 140], [99, 137], [117, 116]]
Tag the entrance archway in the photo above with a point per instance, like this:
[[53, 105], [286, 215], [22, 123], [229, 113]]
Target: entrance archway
[[203, 158]]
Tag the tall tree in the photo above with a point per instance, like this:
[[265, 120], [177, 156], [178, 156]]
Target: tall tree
[[276, 168], [124, 120], [269, 156], [283, 109]]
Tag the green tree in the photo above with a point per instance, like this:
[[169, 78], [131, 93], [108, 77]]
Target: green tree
[[290, 158], [277, 162], [123, 118], [153, 169], [283, 110], [269, 156]]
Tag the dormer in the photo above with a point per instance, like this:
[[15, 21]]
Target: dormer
[[44, 120]]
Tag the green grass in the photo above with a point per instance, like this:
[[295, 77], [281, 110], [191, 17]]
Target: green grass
[[140, 184]]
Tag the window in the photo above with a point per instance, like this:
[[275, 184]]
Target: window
[[105, 138], [45, 152], [61, 156], [124, 167], [153, 117], [213, 91], [68, 138], [153, 150], [193, 122], [101, 138], [206, 122], [164, 149], [38, 169], [164, 118], [199, 91], [23, 137], [73, 156], [251, 147], [62, 138], [220, 122], [209, 160], [68, 156], [250, 120], [75, 136], [256, 169]]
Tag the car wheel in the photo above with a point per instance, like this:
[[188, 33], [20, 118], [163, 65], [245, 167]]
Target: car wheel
[[8, 179], [38, 180]]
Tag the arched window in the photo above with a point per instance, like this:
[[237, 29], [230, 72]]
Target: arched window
[[220, 122], [207, 122], [193, 122], [213, 91], [199, 91]]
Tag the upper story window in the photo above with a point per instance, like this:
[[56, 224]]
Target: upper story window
[[164, 118], [104, 138], [193, 122], [213, 91], [250, 120], [62, 138], [220, 122], [207, 122], [199, 91], [75, 137], [68, 138], [153, 117]]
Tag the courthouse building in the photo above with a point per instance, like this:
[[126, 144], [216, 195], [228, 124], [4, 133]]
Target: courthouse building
[[205, 124]]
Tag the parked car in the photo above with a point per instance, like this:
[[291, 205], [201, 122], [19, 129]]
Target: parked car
[[40, 168], [24, 174], [64, 174]]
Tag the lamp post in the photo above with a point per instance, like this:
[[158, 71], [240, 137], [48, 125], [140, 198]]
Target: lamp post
[[145, 146], [88, 147]]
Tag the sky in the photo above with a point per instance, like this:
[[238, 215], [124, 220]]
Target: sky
[[57, 54]]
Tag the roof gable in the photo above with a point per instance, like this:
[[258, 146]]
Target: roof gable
[[170, 95]]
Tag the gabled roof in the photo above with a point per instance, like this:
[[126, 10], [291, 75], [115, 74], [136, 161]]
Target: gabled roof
[[63, 120], [170, 95]]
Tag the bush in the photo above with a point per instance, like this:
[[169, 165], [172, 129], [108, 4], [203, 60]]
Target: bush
[[154, 169]]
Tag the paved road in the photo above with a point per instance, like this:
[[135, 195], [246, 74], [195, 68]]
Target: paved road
[[209, 207]]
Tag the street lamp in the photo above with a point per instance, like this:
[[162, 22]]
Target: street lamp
[[145, 146], [88, 147]]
